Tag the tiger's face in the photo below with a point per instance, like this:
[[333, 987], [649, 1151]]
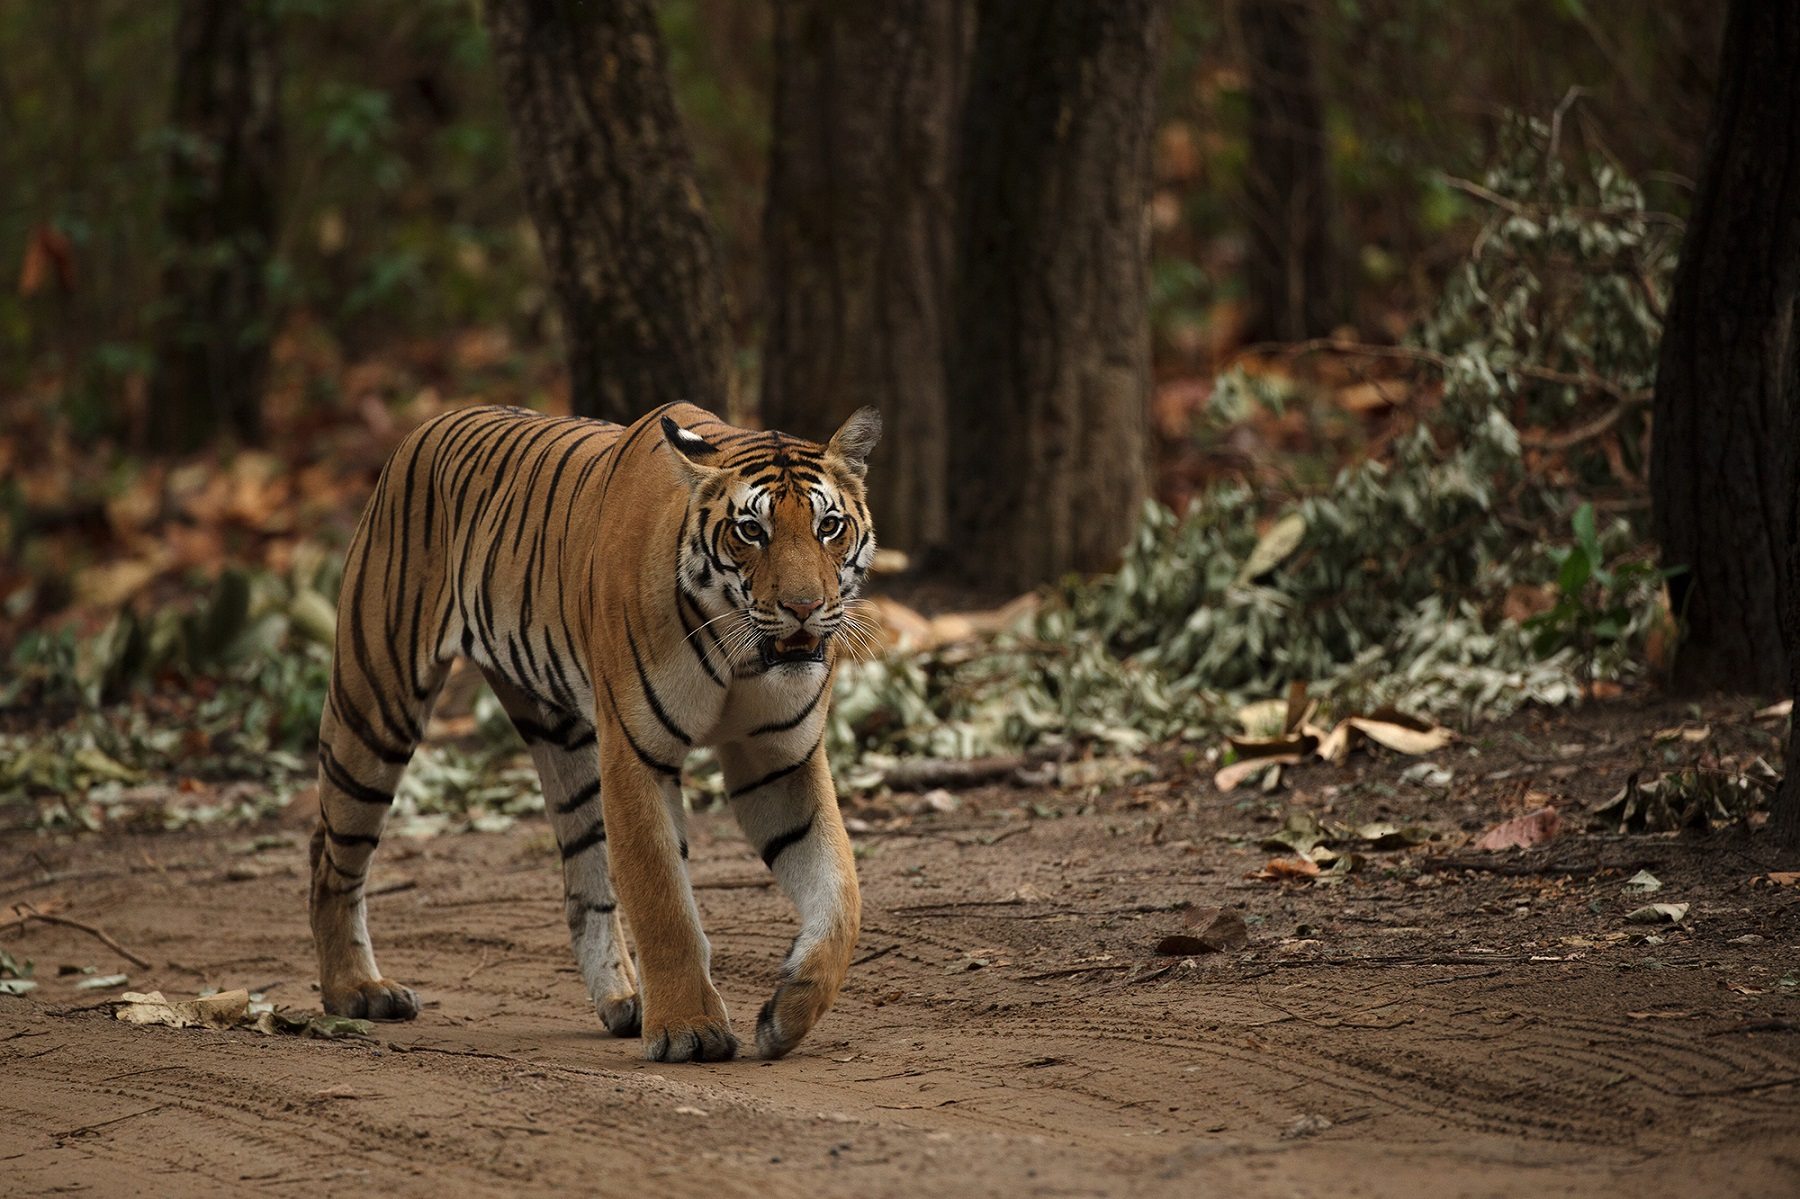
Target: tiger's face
[[778, 535]]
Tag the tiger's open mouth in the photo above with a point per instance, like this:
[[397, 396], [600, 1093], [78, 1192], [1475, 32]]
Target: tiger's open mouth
[[799, 646]]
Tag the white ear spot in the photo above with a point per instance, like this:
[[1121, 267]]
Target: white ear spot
[[686, 442]]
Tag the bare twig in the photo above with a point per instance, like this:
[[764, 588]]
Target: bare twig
[[1075, 970], [75, 1132], [1508, 869], [26, 912]]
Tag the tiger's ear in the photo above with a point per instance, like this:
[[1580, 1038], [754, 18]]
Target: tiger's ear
[[851, 443], [693, 453]]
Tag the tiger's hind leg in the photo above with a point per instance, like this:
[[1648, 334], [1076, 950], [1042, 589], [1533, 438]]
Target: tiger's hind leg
[[365, 742], [568, 764]]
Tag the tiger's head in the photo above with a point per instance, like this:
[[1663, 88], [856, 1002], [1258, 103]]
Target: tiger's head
[[777, 534]]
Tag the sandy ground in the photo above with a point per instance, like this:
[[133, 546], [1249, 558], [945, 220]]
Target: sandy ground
[[1439, 1031]]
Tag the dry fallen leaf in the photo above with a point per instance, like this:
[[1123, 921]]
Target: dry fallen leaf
[[1777, 711], [1220, 928], [224, 1010], [1238, 772], [1658, 913], [1522, 832], [1285, 868], [1402, 738]]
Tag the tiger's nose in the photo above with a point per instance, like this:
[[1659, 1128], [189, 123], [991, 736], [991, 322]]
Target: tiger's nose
[[802, 608]]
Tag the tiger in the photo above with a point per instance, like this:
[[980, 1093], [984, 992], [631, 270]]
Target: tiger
[[630, 593]]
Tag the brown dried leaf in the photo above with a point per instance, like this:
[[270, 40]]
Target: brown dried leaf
[[1238, 772], [1402, 738], [1522, 832], [1220, 929], [1280, 869]]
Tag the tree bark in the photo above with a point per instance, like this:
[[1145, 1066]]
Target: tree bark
[[1728, 375], [1293, 275], [1049, 373], [1784, 822], [857, 237], [609, 182], [214, 324]]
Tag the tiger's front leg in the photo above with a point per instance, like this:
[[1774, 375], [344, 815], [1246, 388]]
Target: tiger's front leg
[[789, 812], [683, 1017]]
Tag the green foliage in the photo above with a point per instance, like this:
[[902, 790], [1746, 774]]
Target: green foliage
[[1597, 607]]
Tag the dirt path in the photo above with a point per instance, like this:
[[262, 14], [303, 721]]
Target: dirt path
[[1438, 1032]]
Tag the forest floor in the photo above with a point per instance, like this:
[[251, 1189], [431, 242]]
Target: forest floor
[[1441, 1022]]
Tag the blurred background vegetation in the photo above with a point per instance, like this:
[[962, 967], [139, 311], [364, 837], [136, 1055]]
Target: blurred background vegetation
[[402, 216], [1508, 180]]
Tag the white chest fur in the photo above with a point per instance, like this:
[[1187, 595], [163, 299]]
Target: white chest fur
[[769, 702]]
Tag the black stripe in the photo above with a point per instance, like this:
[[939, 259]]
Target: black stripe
[[340, 778], [775, 848], [656, 708], [345, 839], [579, 799], [595, 835], [689, 628], [778, 775], [784, 725], [351, 719], [642, 756]]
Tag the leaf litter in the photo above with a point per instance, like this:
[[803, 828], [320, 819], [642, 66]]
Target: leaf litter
[[236, 1009]]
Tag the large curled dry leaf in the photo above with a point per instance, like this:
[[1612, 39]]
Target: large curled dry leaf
[[227, 1009], [1412, 738], [1522, 832], [1233, 775], [1281, 869]]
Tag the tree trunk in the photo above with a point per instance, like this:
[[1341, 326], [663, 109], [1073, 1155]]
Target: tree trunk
[[1728, 377], [857, 237], [609, 182], [1293, 275], [1049, 372], [1784, 821], [214, 324]]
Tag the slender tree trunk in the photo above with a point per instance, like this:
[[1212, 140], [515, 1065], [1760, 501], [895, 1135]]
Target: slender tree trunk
[[1049, 373], [214, 325], [609, 182], [1728, 379], [1294, 275], [1785, 819], [857, 237]]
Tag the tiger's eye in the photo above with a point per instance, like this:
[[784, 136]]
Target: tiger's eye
[[829, 527], [750, 530]]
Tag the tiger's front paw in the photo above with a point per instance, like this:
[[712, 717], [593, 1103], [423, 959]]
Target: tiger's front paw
[[374, 999], [701, 1038]]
